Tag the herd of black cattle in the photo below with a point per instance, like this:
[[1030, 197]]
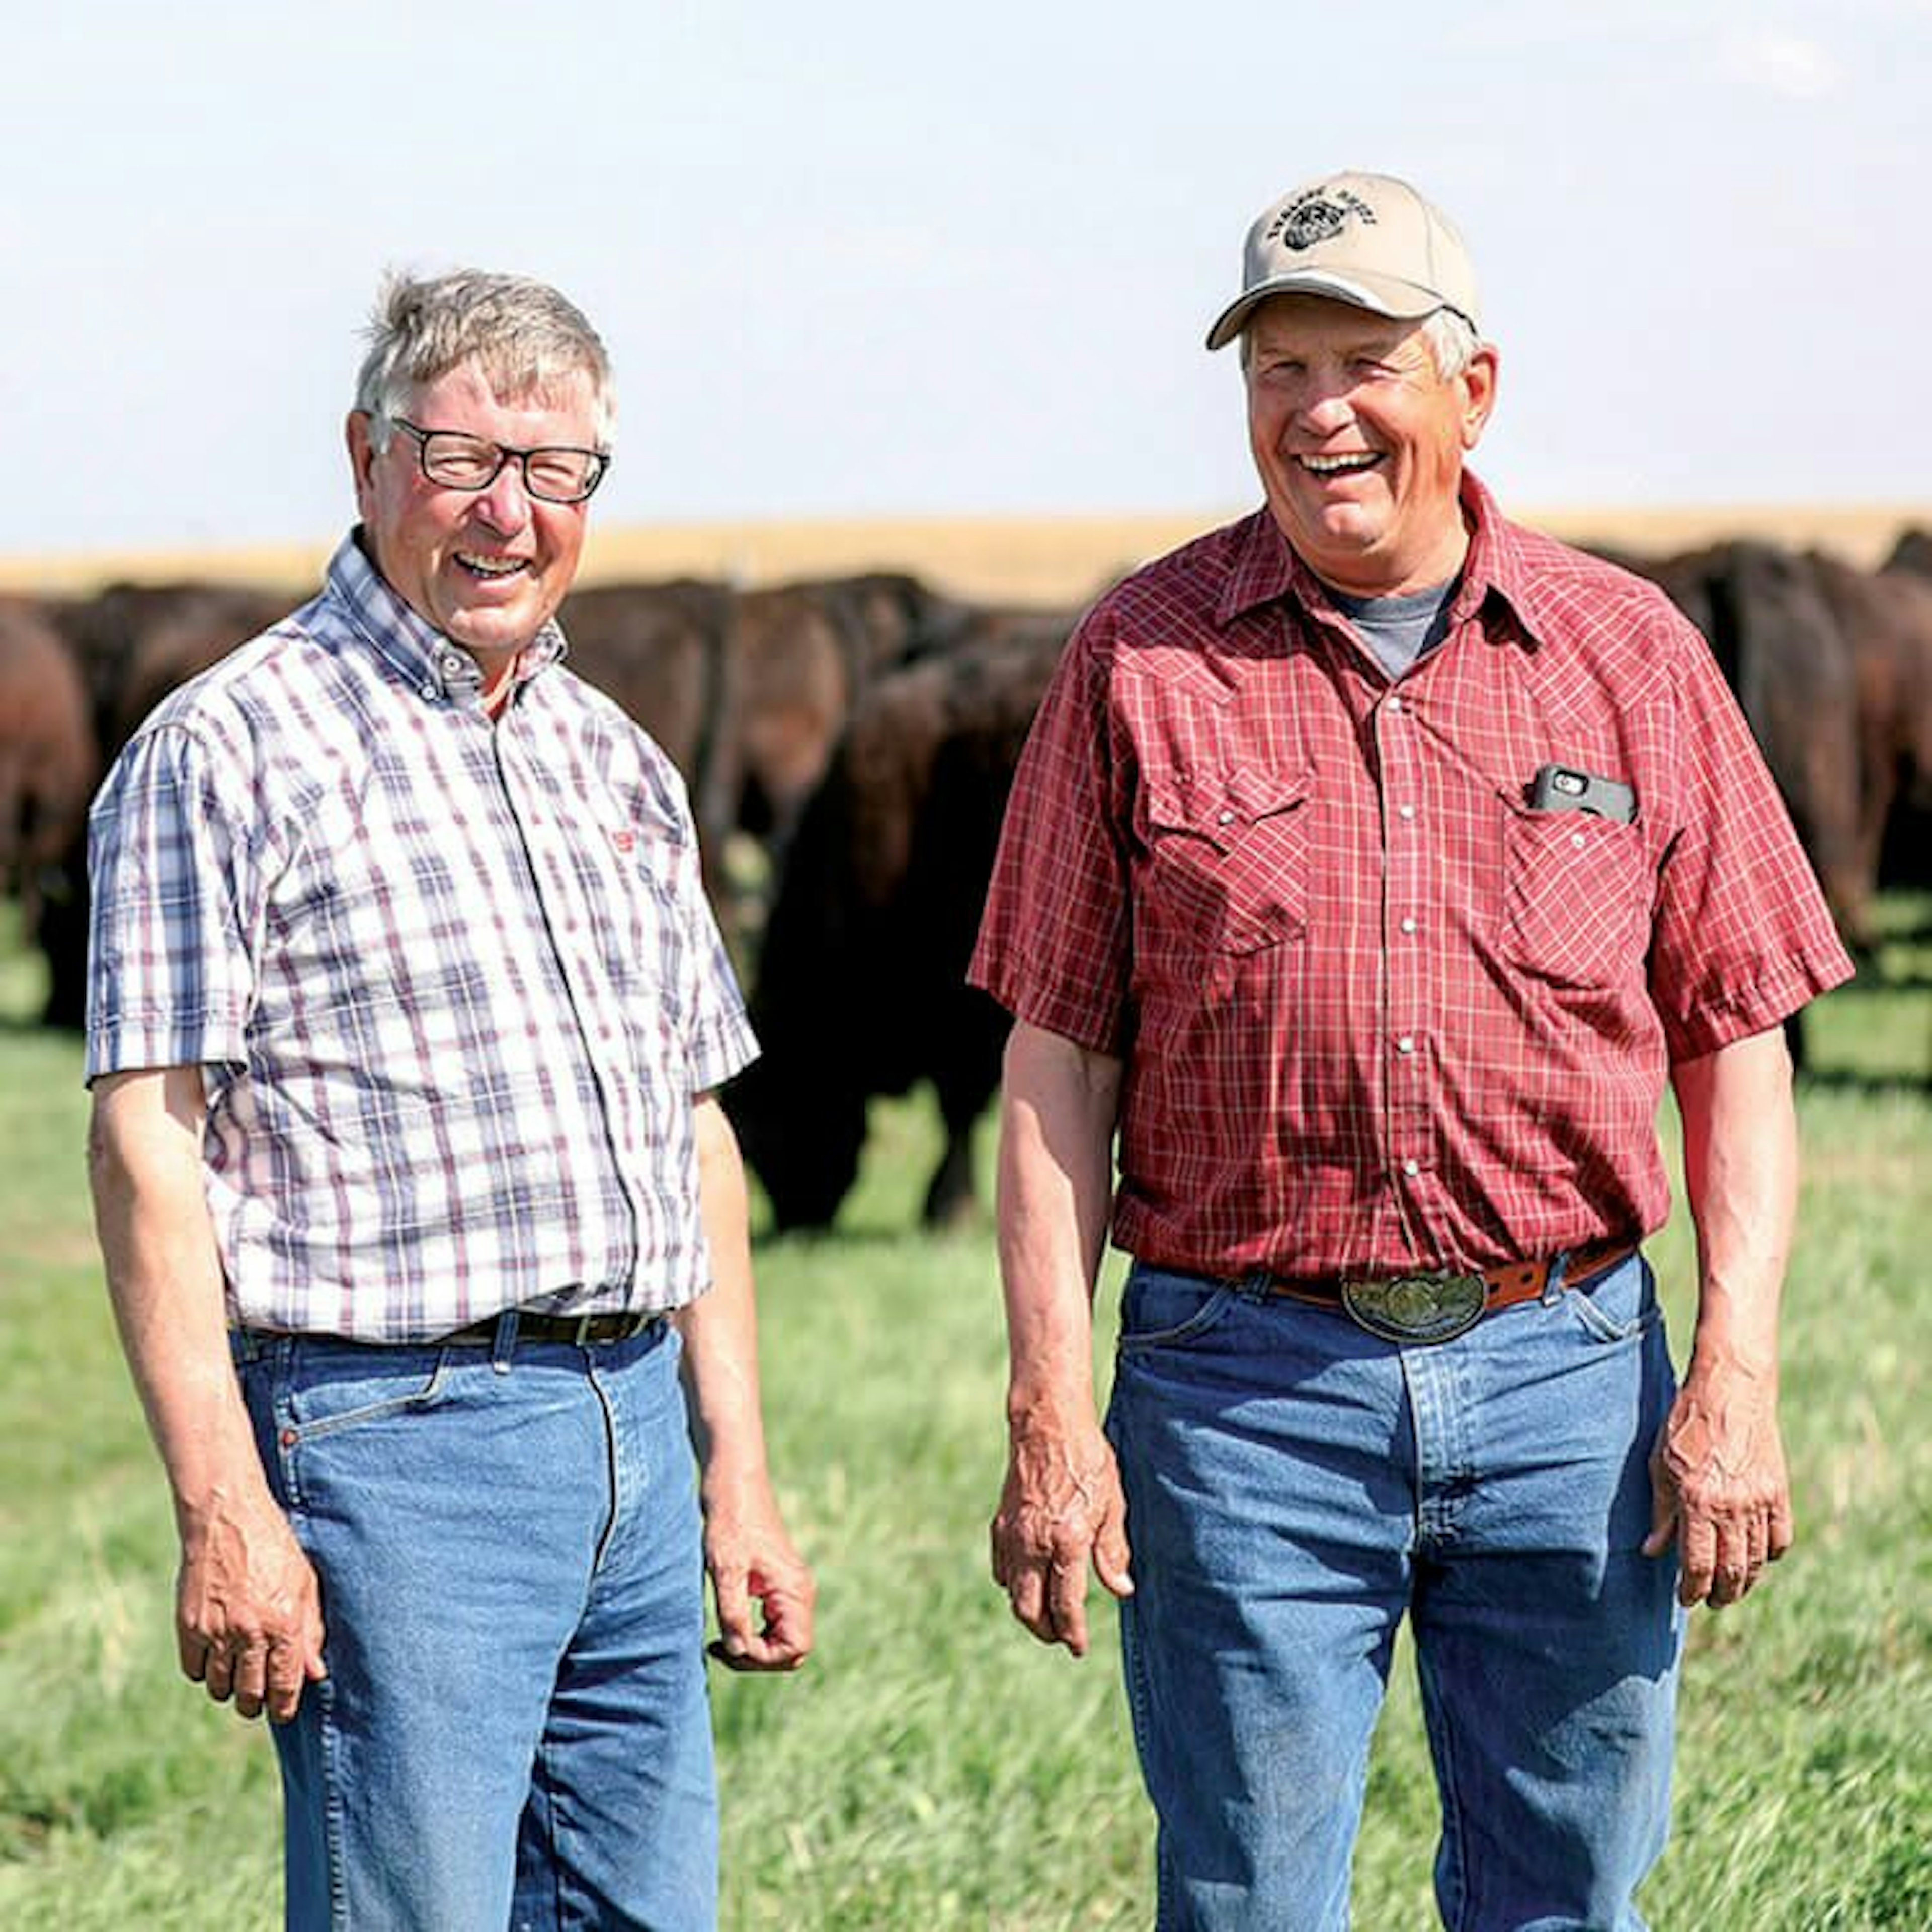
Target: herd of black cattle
[[857, 737]]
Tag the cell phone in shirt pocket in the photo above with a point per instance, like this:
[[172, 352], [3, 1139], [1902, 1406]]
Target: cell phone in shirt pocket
[[1565, 788]]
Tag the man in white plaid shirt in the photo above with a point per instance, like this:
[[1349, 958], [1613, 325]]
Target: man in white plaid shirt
[[425, 1230]]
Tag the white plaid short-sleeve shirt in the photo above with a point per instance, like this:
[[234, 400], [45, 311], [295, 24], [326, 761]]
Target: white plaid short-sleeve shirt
[[453, 984]]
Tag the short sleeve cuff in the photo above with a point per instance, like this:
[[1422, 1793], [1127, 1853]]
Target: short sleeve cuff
[[1737, 1012], [1070, 1011], [127, 1043], [726, 1045]]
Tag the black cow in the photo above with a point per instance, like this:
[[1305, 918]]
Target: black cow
[[861, 987], [1886, 619], [1783, 650], [748, 691], [1913, 552], [135, 643], [50, 764]]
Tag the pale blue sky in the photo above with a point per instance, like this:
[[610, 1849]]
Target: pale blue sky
[[884, 258]]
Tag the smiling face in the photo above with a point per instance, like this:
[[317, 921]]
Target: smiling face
[[1360, 442], [489, 567]]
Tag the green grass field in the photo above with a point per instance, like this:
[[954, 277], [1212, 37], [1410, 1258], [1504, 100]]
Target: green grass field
[[933, 1767]]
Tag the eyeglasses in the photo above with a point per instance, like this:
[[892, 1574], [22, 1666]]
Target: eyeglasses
[[555, 474]]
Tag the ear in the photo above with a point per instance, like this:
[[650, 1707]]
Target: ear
[[1479, 393], [361, 458]]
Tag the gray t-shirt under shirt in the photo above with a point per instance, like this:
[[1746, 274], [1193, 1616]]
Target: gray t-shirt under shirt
[[1399, 629]]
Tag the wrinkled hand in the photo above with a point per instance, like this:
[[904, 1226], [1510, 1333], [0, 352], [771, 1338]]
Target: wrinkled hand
[[248, 1610], [751, 1560], [1718, 1487], [1062, 1508]]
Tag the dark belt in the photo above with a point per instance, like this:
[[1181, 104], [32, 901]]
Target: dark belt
[[579, 1331], [1427, 1307]]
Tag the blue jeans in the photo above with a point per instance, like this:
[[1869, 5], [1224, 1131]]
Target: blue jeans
[[515, 1730], [1294, 1487]]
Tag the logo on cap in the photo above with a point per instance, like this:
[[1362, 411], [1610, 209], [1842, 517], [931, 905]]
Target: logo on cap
[[1319, 215]]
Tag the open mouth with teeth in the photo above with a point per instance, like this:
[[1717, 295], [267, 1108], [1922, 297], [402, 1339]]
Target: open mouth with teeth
[[1353, 465], [492, 568]]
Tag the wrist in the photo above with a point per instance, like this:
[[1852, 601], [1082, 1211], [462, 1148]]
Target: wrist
[[736, 1472], [1036, 1409], [1718, 1352], [214, 1473], [203, 1507]]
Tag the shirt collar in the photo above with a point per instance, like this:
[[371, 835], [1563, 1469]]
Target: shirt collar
[[429, 662], [1265, 567]]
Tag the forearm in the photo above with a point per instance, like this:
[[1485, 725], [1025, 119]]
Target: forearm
[[1061, 1506], [247, 1609], [164, 1280], [747, 1552], [1741, 1176], [720, 1330], [1057, 1110], [1721, 1491]]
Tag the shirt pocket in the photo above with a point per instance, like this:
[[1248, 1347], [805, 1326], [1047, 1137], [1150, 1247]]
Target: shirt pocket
[[1577, 896], [1227, 866], [641, 882]]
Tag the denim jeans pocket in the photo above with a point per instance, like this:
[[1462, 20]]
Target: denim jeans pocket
[[1619, 1305], [329, 1387], [1159, 1310]]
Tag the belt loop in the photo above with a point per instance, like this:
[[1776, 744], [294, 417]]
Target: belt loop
[[1559, 1267], [505, 1345]]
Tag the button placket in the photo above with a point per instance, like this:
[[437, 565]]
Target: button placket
[[561, 892], [1406, 862]]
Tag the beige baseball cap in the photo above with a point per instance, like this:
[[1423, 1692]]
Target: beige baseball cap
[[1368, 239]]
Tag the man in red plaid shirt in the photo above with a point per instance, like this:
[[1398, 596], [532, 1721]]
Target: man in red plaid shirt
[[1373, 862]]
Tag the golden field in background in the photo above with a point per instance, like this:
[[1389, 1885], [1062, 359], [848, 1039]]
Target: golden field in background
[[1040, 560]]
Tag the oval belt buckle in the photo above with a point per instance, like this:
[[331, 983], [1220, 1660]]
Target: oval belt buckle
[[1418, 1308]]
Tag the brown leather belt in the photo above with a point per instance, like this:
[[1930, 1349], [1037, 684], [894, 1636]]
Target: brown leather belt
[[581, 1330], [1426, 1307]]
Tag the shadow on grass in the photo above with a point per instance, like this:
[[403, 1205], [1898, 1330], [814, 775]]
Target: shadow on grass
[[869, 1234], [1858, 1080]]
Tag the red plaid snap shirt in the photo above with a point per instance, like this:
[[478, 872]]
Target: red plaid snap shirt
[[1376, 1012]]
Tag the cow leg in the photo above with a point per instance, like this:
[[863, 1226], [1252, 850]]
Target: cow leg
[[973, 1034], [950, 1201]]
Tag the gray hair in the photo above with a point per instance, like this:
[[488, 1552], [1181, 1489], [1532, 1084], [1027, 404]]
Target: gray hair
[[1452, 340], [1451, 335], [525, 338]]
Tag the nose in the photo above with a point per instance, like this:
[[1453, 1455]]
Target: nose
[[504, 503], [1325, 405]]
